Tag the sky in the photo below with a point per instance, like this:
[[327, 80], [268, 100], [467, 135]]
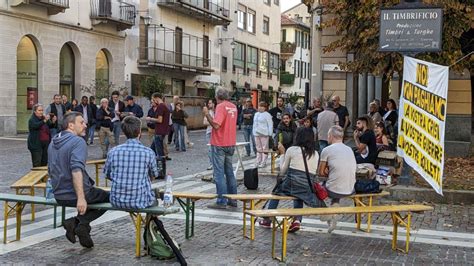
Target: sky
[[287, 4]]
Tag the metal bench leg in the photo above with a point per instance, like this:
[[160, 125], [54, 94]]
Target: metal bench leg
[[284, 234], [192, 217], [97, 175], [137, 220], [369, 215], [402, 221], [394, 231], [186, 206], [274, 228], [408, 224], [55, 215], [272, 167], [5, 223], [19, 210], [63, 215], [32, 193]]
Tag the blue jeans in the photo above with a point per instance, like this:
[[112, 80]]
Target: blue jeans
[[209, 148], [179, 137], [322, 144], [223, 172], [248, 136], [297, 204], [91, 133], [117, 131], [157, 145]]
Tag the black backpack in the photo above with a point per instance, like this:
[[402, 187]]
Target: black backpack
[[251, 178], [364, 186]]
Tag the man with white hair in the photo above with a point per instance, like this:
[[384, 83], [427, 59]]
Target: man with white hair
[[223, 138], [337, 162], [104, 117]]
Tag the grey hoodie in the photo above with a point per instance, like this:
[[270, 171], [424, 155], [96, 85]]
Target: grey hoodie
[[66, 153]]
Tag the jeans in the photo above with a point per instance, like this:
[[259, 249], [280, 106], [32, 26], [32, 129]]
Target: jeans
[[105, 139], [117, 130], [248, 136], [157, 145], [179, 131], [223, 172], [91, 133], [297, 204], [322, 144], [95, 195], [209, 148]]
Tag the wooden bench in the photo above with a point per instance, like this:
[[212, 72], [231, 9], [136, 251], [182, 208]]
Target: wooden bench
[[187, 202], [288, 215], [273, 156], [19, 201], [25, 185], [252, 202], [97, 163]]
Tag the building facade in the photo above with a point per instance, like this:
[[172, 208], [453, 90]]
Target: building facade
[[57, 47], [295, 54]]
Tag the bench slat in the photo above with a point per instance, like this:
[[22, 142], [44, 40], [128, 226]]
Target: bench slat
[[98, 161], [257, 197], [381, 194], [30, 179], [26, 199], [338, 210], [154, 210]]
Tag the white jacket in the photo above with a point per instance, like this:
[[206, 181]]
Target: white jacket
[[262, 124]]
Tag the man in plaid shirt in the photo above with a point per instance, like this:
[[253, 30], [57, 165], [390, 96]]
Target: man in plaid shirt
[[130, 167]]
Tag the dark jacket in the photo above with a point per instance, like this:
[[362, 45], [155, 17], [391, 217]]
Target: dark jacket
[[286, 134], [68, 106], [94, 111], [34, 125], [90, 118], [179, 117], [121, 106], [67, 153], [135, 109], [101, 121]]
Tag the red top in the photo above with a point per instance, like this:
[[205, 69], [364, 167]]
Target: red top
[[163, 127], [226, 118]]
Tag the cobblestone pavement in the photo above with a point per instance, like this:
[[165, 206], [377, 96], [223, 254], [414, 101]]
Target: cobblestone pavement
[[442, 236]]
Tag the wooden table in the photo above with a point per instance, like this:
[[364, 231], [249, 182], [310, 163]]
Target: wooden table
[[26, 185]]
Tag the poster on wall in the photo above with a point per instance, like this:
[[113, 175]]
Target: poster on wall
[[422, 119], [32, 97]]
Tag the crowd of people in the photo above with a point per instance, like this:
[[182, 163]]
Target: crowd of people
[[60, 133]]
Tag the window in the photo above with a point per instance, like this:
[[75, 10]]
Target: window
[[266, 25], [66, 71], [205, 51], [295, 68], [297, 38], [251, 21], [267, 2], [239, 55], [102, 74], [252, 58], [303, 71], [276, 2], [27, 81], [263, 61], [283, 35], [224, 64], [309, 70], [274, 64], [241, 19]]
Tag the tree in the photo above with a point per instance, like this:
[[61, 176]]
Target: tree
[[151, 85], [357, 22]]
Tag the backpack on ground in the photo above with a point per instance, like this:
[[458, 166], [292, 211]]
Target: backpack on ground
[[251, 178], [158, 243], [364, 186]]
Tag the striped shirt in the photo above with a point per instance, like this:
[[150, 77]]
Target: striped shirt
[[129, 166]]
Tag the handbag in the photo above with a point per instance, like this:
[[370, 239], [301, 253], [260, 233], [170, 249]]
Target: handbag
[[251, 178], [319, 190]]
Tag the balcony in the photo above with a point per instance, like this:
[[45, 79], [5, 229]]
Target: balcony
[[205, 10], [287, 78], [173, 50], [113, 12], [287, 49], [53, 6]]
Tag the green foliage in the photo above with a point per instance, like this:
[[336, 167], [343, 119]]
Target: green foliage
[[357, 22], [287, 78], [293, 98], [101, 89], [211, 92], [151, 85]]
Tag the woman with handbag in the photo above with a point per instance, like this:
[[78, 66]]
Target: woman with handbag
[[299, 167], [262, 130]]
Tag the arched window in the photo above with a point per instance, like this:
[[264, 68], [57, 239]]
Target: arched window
[[102, 75], [27, 81], [66, 71]]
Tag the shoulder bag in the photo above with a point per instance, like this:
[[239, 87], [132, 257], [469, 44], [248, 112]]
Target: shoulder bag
[[318, 189]]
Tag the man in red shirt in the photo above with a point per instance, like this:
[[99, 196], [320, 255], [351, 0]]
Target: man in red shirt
[[223, 138], [161, 121]]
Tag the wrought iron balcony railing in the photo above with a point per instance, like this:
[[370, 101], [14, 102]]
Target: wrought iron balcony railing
[[53, 6], [175, 50], [120, 13], [212, 11]]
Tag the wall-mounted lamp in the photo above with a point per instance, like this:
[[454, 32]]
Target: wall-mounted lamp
[[232, 44], [146, 17]]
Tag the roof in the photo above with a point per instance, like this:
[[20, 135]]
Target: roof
[[287, 21], [291, 8]]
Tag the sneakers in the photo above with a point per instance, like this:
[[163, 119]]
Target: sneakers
[[265, 223], [232, 203], [209, 167], [217, 206], [70, 225], [168, 158], [295, 226], [83, 232], [332, 225]]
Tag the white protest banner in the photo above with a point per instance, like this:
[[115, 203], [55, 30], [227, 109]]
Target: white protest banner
[[422, 117]]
